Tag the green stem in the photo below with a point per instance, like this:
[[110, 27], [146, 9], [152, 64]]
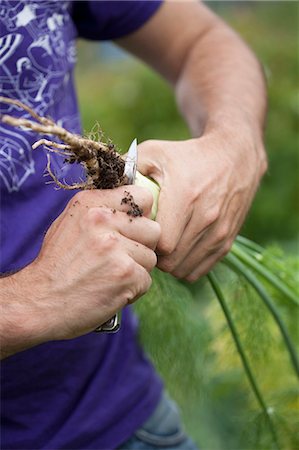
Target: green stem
[[264, 272], [253, 250], [249, 244], [219, 294], [233, 262]]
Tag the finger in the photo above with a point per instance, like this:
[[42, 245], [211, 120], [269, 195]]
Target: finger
[[216, 238], [188, 242], [204, 268], [124, 198], [141, 283], [199, 260], [136, 282], [141, 229], [173, 216], [141, 254]]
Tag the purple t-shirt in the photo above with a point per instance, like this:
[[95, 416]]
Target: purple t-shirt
[[91, 392]]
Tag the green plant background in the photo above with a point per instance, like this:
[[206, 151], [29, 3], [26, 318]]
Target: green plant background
[[182, 326]]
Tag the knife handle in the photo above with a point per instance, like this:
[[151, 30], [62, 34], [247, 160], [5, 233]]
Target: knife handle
[[110, 326]]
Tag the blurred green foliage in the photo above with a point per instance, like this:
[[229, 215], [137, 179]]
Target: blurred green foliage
[[271, 28], [182, 326], [186, 334]]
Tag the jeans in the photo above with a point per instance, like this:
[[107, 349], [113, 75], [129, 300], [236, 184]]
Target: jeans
[[163, 430]]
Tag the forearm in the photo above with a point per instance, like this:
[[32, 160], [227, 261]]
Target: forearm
[[21, 322], [221, 84], [218, 81]]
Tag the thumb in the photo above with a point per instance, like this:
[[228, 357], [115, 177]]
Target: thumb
[[173, 213], [150, 160]]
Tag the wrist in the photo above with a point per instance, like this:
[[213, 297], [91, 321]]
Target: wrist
[[24, 324], [238, 133]]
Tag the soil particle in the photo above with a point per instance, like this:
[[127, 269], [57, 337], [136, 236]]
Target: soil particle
[[134, 209]]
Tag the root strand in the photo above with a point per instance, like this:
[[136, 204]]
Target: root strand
[[103, 165]]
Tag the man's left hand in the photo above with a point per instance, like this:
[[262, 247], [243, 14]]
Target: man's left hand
[[207, 186]]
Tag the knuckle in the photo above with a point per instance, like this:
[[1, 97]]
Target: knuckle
[[191, 193], [179, 274], [212, 215], [222, 232], [146, 197], [227, 246], [129, 296], [142, 285], [146, 284], [152, 260], [167, 247], [264, 165], [191, 278], [93, 219], [97, 216], [126, 268], [152, 230], [106, 241], [166, 265], [157, 228], [199, 273]]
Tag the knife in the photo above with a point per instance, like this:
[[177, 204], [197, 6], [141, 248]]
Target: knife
[[113, 325]]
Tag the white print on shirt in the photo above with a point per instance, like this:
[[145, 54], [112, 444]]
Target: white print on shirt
[[15, 153], [36, 73]]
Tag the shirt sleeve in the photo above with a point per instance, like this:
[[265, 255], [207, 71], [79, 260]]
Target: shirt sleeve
[[107, 20]]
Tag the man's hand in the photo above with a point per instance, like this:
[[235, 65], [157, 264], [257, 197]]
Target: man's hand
[[93, 262], [207, 186]]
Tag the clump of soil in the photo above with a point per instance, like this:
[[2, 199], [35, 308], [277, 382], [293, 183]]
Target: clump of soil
[[104, 167], [135, 210]]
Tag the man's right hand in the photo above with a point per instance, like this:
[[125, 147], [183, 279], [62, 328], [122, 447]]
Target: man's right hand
[[95, 259]]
